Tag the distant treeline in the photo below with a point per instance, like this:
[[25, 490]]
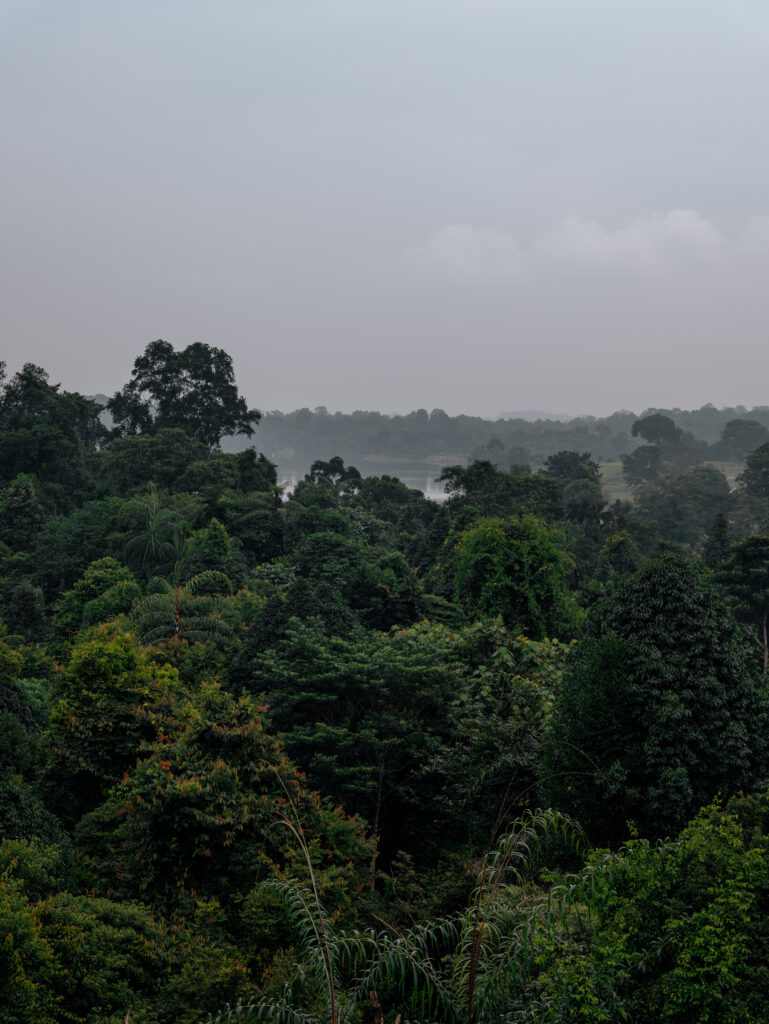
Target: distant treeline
[[297, 438]]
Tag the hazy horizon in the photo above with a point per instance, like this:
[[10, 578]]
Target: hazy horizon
[[439, 204], [530, 415]]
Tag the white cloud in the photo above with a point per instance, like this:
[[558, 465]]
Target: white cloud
[[461, 252], [642, 246], [677, 241]]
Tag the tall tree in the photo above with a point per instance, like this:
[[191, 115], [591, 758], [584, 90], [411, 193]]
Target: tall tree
[[684, 507], [362, 714], [46, 432], [21, 513], [745, 576], [651, 461], [740, 437], [583, 504], [568, 466], [193, 389], [199, 811], [94, 730], [659, 709], [657, 429], [715, 550], [105, 590], [755, 477], [516, 568], [178, 612], [344, 479], [642, 465], [483, 487]]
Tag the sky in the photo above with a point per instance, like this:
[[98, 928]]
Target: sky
[[472, 205]]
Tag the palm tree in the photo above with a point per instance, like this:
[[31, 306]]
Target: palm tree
[[182, 611], [154, 542]]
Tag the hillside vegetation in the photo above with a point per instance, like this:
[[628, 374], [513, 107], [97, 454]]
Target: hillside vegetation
[[354, 754]]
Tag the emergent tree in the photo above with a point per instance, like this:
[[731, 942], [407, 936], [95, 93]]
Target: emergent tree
[[193, 389]]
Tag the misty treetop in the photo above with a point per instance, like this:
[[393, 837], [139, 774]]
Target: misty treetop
[[295, 439]]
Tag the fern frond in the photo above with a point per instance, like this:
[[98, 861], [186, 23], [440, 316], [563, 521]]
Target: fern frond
[[259, 1010]]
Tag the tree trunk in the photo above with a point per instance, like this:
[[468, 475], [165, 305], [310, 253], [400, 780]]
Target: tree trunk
[[377, 1016], [377, 811]]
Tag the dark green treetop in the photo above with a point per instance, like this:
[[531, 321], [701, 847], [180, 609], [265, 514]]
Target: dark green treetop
[[46, 432], [742, 436], [483, 487], [659, 709], [193, 389], [516, 568], [745, 576], [345, 479], [755, 477], [657, 429], [568, 466]]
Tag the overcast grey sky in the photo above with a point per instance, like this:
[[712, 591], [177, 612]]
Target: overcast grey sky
[[471, 204]]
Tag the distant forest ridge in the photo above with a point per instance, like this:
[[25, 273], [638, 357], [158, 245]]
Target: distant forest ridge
[[369, 439], [374, 440]]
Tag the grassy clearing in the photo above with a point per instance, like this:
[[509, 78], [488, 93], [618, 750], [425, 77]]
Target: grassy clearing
[[614, 486], [731, 470], [613, 482]]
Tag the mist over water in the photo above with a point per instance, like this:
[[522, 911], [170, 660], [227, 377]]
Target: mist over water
[[418, 475]]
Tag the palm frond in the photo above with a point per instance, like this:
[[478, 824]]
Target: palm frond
[[158, 585], [208, 582]]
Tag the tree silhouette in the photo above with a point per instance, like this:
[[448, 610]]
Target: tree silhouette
[[193, 389]]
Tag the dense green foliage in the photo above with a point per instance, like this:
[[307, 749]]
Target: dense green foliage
[[499, 757], [659, 709]]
